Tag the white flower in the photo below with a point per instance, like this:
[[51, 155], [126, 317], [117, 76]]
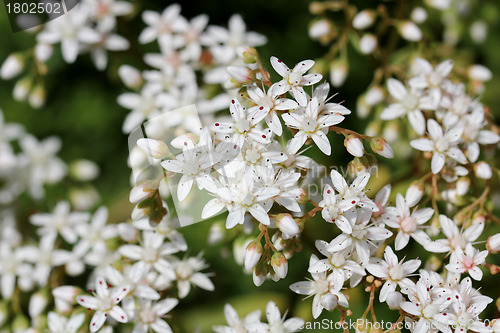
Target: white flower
[[394, 272], [151, 253], [149, 315], [441, 144], [194, 164], [352, 195], [163, 24], [268, 103], [61, 324], [310, 124], [234, 321], [61, 221], [455, 238], [341, 268], [469, 261], [105, 303], [276, 324], [294, 80], [242, 126], [407, 223], [187, 272], [410, 102], [71, 30], [429, 77], [325, 296], [364, 235], [93, 235], [132, 277], [13, 265]]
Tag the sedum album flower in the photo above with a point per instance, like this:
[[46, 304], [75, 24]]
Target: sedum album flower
[[468, 261], [105, 301], [294, 80], [410, 102], [408, 223], [276, 323], [149, 315], [455, 238], [441, 144], [321, 288], [60, 324], [310, 124], [393, 272], [187, 272], [236, 325]]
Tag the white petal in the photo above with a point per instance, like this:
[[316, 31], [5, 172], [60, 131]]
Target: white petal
[[396, 89]]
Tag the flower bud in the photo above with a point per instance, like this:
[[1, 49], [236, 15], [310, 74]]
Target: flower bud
[[243, 75], [367, 43], [12, 66], [414, 193], [483, 170], [358, 165], [363, 19], [409, 31], [43, 51], [37, 97], [216, 233], [479, 31], [253, 253], [248, 54], [83, 198], [463, 185], [84, 170], [22, 88], [130, 76], [493, 243], [438, 4], [374, 95], [239, 249], [143, 190], [303, 197], [20, 323], [354, 145], [154, 148], [394, 299], [380, 146], [38, 303], [320, 29], [279, 264], [259, 274], [479, 73], [418, 15], [338, 72], [287, 225], [140, 211]]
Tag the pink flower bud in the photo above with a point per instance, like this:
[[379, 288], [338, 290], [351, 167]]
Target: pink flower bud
[[287, 225], [354, 145], [154, 148], [253, 253], [493, 243], [248, 54], [143, 190], [259, 274], [243, 75], [279, 264], [380, 146], [483, 170]]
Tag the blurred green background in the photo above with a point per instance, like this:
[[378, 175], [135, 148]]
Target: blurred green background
[[81, 108]]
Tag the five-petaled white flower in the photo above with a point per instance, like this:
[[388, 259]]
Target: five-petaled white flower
[[469, 261], [294, 80], [150, 315], [410, 102], [310, 124], [395, 273], [105, 303], [441, 144]]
